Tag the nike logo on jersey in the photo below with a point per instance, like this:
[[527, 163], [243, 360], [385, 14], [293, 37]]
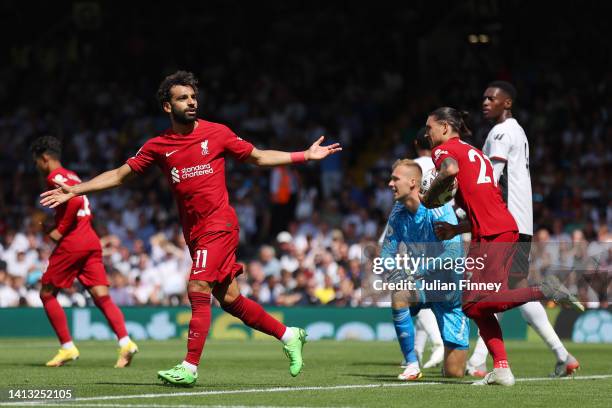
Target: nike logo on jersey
[[196, 272], [168, 154]]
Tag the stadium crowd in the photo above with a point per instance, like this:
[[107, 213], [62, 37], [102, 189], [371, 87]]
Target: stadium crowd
[[304, 228]]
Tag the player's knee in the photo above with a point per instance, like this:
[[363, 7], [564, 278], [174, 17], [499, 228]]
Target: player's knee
[[400, 300], [199, 286], [98, 291], [228, 299], [226, 295], [44, 295], [399, 305], [454, 372], [47, 291]]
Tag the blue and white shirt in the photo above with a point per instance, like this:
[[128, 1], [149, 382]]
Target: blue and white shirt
[[413, 234]]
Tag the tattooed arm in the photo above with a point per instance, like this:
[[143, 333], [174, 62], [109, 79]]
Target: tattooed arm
[[449, 168]]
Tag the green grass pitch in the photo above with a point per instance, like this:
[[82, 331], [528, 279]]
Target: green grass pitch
[[340, 374]]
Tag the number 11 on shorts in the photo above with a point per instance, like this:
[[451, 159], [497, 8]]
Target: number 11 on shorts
[[200, 261]]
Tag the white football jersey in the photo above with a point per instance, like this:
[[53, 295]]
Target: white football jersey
[[425, 163], [507, 142]]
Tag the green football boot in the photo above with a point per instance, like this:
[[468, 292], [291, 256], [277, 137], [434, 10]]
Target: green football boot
[[178, 375], [293, 350]]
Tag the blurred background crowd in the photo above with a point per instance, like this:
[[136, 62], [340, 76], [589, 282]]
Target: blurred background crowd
[[280, 76]]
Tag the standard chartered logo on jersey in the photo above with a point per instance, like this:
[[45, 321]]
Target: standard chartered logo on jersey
[[189, 172], [174, 173], [195, 171]]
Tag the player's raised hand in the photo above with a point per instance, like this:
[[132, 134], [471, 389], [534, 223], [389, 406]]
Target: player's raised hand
[[58, 196], [318, 152], [444, 230]]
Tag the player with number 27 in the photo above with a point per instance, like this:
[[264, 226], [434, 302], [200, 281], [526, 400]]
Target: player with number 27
[[494, 233]]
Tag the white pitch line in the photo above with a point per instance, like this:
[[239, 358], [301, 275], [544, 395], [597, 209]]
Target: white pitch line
[[278, 389], [586, 377], [167, 406], [225, 392], [221, 392]]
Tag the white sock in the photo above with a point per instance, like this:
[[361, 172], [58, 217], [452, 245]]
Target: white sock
[[124, 341], [191, 367], [68, 345], [427, 318], [420, 338], [288, 336], [414, 365], [535, 315], [479, 355]]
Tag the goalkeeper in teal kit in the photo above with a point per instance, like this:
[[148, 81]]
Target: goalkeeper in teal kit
[[431, 270]]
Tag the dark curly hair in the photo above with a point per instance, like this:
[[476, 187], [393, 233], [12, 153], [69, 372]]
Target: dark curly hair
[[47, 144], [455, 118], [183, 78]]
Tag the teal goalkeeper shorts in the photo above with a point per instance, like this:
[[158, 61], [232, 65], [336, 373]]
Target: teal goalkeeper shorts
[[453, 323]]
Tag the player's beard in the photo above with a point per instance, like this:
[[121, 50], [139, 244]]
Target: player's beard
[[182, 117]]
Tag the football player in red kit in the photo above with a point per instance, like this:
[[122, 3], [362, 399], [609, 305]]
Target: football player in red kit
[[191, 155], [494, 235], [77, 255]]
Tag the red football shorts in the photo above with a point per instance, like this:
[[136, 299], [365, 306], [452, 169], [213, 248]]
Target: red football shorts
[[214, 257], [65, 266], [496, 253]]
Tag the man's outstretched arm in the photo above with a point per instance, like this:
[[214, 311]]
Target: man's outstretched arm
[[278, 158], [104, 181]]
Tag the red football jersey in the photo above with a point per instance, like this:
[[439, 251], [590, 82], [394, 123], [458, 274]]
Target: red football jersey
[[194, 165], [73, 218], [477, 192]]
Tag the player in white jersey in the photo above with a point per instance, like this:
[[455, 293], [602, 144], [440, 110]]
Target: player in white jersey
[[508, 149], [423, 151]]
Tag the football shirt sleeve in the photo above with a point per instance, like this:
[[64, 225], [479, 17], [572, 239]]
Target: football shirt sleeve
[[439, 154], [238, 147], [498, 146], [142, 160], [390, 241], [52, 181], [390, 247], [67, 215]]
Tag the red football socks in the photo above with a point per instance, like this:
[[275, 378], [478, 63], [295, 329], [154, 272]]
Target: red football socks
[[483, 313], [501, 364], [113, 315], [491, 333], [198, 326], [254, 316], [57, 318]]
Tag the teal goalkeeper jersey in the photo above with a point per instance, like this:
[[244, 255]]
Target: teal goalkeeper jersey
[[413, 234]]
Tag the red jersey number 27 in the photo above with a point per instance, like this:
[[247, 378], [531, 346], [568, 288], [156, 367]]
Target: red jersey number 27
[[482, 174]]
